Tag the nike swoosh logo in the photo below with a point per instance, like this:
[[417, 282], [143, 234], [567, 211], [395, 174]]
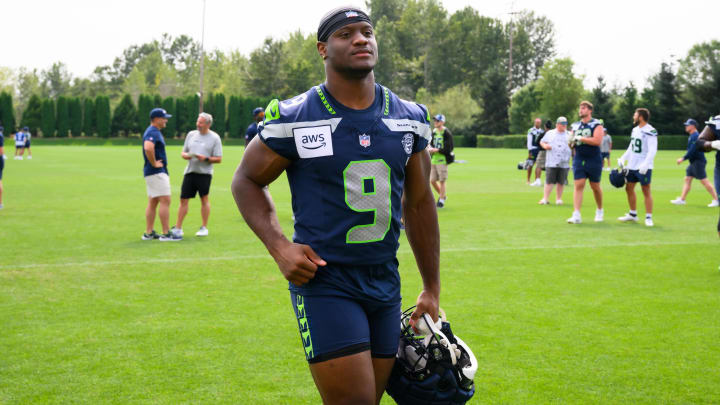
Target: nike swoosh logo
[[317, 147]]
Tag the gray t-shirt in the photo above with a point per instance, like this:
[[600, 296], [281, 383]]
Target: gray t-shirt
[[605, 145], [208, 145], [559, 155]]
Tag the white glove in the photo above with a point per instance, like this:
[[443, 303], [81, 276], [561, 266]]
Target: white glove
[[578, 139], [715, 145], [621, 164], [643, 169]]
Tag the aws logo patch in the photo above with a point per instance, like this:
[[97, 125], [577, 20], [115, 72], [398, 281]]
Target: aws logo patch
[[313, 141]]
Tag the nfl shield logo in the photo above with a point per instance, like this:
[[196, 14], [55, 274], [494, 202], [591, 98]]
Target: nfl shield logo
[[364, 140]]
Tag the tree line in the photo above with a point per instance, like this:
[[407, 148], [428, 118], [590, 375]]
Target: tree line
[[76, 116], [456, 63]]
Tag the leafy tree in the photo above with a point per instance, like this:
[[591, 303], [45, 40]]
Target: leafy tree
[[76, 119], [102, 116], [456, 103], [560, 91], [523, 108], [699, 78], [124, 117], [88, 117], [533, 46], [63, 117], [56, 80], [265, 64], [7, 112], [48, 118], [32, 116]]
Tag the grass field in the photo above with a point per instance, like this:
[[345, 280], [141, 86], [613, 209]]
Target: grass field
[[605, 313]]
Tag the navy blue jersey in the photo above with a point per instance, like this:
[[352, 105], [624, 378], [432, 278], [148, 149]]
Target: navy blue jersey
[[693, 153], [252, 130], [154, 135], [348, 170], [585, 151]]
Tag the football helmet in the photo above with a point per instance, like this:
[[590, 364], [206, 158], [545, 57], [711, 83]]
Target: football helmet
[[617, 177], [526, 164], [433, 365]]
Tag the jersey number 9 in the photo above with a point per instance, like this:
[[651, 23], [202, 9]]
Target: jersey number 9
[[367, 189]]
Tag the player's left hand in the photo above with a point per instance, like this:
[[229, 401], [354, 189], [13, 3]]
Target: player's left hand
[[427, 302]]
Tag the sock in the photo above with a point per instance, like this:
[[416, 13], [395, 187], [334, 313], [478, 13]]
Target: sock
[[633, 213], [649, 216], [576, 213], [599, 211]]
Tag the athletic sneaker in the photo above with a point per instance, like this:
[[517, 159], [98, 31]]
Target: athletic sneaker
[[648, 222], [714, 203], [543, 202], [177, 232], [558, 202], [1, 206], [170, 237], [599, 215], [678, 201], [150, 236], [29, 157], [441, 202], [536, 183], [628, 218], [574, 219], [203, 231]]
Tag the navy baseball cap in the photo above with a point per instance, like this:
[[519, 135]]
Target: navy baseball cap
[[26, 129], [439, 117], [257, 111], [159, 113], [691, 121]]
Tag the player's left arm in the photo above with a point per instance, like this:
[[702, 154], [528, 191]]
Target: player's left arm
[[422, 230]]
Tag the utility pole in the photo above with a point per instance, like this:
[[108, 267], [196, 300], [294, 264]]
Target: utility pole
[[510, 60], [202, 59]]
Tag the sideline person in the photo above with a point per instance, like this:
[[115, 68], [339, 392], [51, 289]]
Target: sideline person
[[696, 168], [555, 143], [533, 145], [441, 146], [202, 149], [350, 148], [605, 149], [252, 130]]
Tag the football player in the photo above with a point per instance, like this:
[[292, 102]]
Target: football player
[[587, 136], [350, 149], [639, 156]]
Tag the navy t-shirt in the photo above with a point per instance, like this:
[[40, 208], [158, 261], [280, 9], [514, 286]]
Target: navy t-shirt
[[348, 170], [154, 135], [252, 130]]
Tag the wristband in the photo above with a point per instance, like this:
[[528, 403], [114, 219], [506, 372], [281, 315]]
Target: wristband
[[207, 159]]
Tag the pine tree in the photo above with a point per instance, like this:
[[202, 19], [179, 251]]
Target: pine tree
[[76, 121], [89, 117], [625, 110], [219, 116], [48, 118], [32, 116], [169, 105], [7, 113], [62, 115], [234, 118], [666, 118], [180, 114], [102, 114], [124, 116], [145, 105]]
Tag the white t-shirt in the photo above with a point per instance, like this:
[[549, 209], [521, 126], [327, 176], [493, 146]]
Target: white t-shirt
[[642, 148], [559, 155], [208, 145]]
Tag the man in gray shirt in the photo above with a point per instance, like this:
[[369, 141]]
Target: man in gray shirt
[[605, 148], [202, 149]]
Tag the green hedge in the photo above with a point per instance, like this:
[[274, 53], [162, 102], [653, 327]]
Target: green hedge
[[665, 142], [132, 140]]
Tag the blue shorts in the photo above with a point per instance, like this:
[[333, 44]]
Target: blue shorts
[[2, 166], [534, 153], [346, 310], [696, 169], [583, 168], [634, 176], [605, 155], [27, 143]]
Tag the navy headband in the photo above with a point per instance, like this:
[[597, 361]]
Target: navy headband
[[338, 18]]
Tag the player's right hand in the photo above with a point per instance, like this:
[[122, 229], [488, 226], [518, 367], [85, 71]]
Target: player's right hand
[[158, 164], [715, 144], [298, 263]]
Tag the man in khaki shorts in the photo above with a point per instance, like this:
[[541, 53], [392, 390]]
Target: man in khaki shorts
[[440, 148], [156, 177]]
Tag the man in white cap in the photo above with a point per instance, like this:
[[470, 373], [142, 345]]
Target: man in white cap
[[557, 161]]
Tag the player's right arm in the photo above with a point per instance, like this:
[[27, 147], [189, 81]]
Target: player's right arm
[[259, 167], [149, 148], [706, 138]]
